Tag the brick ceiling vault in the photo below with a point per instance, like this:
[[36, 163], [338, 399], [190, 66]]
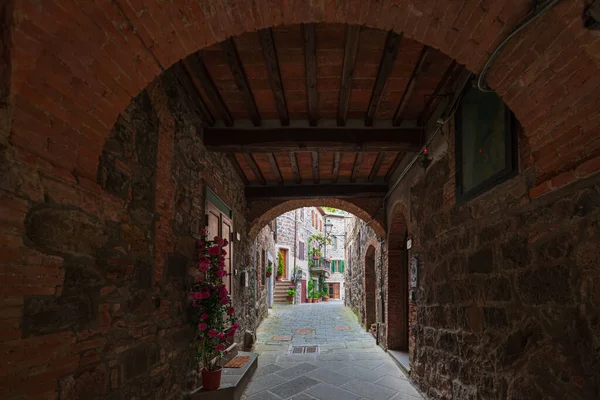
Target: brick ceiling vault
[[74, 69]]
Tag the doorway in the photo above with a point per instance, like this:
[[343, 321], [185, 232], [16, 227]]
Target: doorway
[[369, 288], [284, 258]]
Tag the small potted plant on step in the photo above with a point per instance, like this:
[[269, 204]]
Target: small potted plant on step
[[325, 293], [291, 292], [212, 311], [311, 291], [269, 271], [280, 267]]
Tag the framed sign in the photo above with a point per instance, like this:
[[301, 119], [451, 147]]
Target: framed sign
[[414, 271]]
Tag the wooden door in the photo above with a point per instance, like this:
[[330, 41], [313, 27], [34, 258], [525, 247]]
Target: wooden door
[[284, 258], [336, 290], [219, 224]]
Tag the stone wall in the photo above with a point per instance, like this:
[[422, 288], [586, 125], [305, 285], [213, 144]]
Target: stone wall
[[266, 254], [94, 300]]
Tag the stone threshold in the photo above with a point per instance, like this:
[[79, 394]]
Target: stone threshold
[[233, 381], [401, 359]]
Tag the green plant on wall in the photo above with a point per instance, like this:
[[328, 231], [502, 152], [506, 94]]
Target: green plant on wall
[[311, 289], [280, 265]]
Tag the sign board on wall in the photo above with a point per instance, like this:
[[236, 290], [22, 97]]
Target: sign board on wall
[[414, 271]]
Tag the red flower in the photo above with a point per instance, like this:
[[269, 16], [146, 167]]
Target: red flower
[[204, 316], [214, 251], [220, 347], [224, 301], [212, 333], [202, 326], [231, 311]]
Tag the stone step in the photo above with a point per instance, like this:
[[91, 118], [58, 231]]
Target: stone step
[[233, 382]]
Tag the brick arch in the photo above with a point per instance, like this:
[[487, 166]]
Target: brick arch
[[396, 304], [75, 68], [263, 212]]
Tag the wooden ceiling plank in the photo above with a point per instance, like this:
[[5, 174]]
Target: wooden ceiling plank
[[315, 166], [376, 166], [255, 168], [386, 65], [241, 79], [275, 168], [274, 74], [336, 166], [357, 163], [310, 58], [310, 191], [350, 51], [196, 67], [236, 166], [186, 82], [443, 86], [412, 83], [394, 166], [294, 162], [227, 140]]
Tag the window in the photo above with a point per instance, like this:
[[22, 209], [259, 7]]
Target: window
[[486, 143], [321, 225], [341, 266], [335, 243], [301, 250], [313, 217], [333, 262], [302, 214]]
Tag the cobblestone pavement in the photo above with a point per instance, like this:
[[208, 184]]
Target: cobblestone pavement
[[349, 365]]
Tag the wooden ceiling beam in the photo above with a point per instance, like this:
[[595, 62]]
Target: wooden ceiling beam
[[231, 140], [336, 166], [310, 58], [315, 166], [386, 65], [255, 168], [270, 55], [275, 168], [236, 166], [308, 191], [182, 76], [198, 71], [240, 78], [410, 87], [350, 50], [356, 168], [295, 170], [376, 167]]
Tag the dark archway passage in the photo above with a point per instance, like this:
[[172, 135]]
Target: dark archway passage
[[370, 317], [398, 278]]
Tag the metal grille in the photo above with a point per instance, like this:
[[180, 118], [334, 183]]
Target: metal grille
[[304, 350]]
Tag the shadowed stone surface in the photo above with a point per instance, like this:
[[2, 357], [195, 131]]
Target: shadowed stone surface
[[349, 366]]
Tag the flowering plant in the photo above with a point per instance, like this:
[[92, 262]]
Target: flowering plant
[[213, 313]]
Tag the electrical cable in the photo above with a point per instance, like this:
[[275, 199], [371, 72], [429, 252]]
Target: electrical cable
[[529, 18]]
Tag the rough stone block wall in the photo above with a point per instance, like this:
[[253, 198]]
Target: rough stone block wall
[[93, 273]]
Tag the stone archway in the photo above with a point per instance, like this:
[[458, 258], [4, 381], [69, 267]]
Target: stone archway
[[107, 53], [261, 212], [370, 316], [397, 309]]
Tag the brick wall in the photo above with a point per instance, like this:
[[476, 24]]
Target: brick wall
[[93, 273]]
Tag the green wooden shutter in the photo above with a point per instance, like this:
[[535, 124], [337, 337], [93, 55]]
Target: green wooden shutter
[[341, 265]]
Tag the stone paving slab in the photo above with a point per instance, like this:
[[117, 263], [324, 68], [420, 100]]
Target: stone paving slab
[[349, 366]]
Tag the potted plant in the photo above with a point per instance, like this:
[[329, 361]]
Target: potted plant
[[325, 293], [269, 270], [291, 292], [311, 291], [213, 315], [280, 267]]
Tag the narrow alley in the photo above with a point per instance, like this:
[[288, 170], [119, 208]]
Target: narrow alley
[[348, 365]]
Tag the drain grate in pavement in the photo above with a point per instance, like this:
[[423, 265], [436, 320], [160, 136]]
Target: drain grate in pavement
[[304, 350]]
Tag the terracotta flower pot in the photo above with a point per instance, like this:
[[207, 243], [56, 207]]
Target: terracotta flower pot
[[290, 298], [279, 278], [269, 274], [211, 380], [326, 298]]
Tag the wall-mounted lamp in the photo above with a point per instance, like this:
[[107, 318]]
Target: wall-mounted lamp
[[425, 160]]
